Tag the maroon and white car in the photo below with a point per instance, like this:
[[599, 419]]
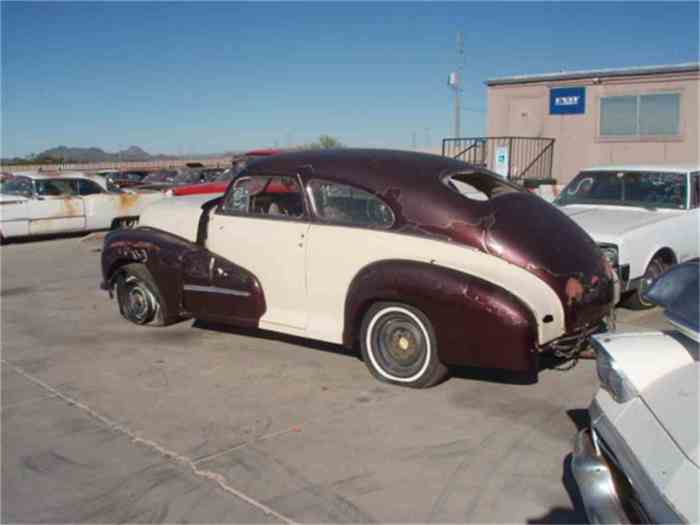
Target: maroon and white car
[[421, 261]]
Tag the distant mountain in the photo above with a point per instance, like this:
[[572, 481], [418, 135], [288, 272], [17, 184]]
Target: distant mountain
[[68, 154]]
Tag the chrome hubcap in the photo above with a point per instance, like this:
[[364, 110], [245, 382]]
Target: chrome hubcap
[[137, 301], [399, 344]]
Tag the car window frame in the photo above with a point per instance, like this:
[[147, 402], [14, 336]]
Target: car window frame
[[317, 217], [305, 217], [72, 183], [32, 181], [80, 182], [693, 190]]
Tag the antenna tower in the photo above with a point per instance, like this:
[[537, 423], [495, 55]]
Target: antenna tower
[[455, 82]]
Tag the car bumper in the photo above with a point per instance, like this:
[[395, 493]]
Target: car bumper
[[595, 481], [614, 485]]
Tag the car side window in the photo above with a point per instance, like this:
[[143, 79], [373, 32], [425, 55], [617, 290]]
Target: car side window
[[88, 187], [265, 196], [56, 187], [342, 204]]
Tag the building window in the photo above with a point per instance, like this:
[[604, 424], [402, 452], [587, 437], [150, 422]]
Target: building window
[[640, 115]]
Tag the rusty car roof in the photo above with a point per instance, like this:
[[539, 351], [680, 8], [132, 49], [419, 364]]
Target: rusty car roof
[[375, 169]]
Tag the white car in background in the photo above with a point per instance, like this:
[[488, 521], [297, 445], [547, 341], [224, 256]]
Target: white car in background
[[644, 218], [33, 203], [638, 461]]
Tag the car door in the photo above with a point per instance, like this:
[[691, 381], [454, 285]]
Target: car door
[[219, 290], [351, 232], [98, 204], [261, 227], [56, 208]]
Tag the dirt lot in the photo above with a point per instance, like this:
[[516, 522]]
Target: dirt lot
[[103, 421]]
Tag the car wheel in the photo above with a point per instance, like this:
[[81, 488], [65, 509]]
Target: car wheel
[[125, 223], [399, 346], [635, 301], [138, 296]]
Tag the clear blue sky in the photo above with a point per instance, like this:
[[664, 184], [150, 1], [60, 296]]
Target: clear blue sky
[[209, 77]]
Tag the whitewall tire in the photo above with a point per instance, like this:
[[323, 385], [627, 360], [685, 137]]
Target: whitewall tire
[[399, 346]]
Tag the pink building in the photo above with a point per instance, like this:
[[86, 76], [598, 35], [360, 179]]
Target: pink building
[[611, 116]]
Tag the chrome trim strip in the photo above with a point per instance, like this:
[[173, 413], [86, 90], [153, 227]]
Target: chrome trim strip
[[215, 289]]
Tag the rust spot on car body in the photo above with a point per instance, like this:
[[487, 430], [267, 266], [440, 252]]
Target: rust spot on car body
[[574, 290], [128, 201], [71, 208]]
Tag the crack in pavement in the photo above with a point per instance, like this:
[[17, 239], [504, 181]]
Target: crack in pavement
[[158, 448]]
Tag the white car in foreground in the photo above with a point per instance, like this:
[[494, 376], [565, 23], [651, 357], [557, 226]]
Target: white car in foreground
[[33, 203], [644, 218], [638, 462]]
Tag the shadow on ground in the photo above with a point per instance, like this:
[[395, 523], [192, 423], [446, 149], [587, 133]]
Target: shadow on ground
[[491, 375], [577, 513], [276, 336]]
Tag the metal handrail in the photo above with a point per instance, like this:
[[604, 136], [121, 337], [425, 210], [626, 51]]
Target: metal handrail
[[546, 149]]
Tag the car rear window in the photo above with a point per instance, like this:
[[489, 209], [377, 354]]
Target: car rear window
[[479, 186]]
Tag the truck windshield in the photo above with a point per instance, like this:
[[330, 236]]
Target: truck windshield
[[627, 188]]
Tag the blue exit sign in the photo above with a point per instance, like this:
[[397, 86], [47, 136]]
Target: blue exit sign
[[567, 101]]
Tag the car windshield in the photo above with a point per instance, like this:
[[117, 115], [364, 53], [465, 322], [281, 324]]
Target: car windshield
[[678, 291], [160, 176], [188, 177], [128, 175], [17, 186], [627, 188], [226, 175]]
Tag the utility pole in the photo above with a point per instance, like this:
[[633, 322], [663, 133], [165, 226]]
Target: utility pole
[[455, 82], [413, 140]]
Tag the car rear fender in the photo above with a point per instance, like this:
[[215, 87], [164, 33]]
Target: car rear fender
[[477, 323]]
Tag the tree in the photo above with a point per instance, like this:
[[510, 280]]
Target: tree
[[325, 142]]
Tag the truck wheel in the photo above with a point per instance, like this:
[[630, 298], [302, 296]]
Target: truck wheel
[[399, 346], [138, 296], [634, 300]]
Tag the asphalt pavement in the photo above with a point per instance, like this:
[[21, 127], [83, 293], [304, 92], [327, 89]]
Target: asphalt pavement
[[104, 421]]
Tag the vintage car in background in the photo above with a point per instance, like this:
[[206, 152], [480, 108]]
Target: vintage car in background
[[638, 461], [34, 203], [167, 179], [126, 179], [221, 182], [5, 176], [424, 261], [644, 218], [161, 179]]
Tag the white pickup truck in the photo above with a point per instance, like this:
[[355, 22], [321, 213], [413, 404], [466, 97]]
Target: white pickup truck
[[644, 218], [33, 203]]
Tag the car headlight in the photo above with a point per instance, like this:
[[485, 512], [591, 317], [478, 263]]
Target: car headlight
[[612, 253], [612, 379]]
